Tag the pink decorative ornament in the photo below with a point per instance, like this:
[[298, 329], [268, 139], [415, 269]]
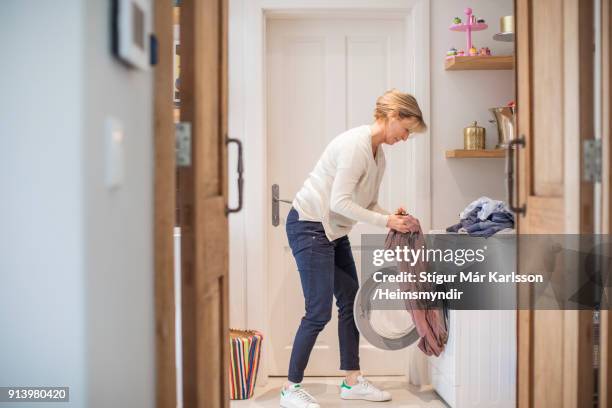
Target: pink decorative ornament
[[469, 26]]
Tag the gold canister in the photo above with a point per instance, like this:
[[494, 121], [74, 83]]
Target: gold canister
[[474, 137], [506, 24]]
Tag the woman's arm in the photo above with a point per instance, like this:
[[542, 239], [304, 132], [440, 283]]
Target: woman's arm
[[351, 166], [343, 204], [377, 208], [342, 200]]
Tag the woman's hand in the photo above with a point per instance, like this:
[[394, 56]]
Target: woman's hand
[[403, 223]]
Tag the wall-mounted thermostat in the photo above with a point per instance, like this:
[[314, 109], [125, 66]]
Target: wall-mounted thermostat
[[131, 26]]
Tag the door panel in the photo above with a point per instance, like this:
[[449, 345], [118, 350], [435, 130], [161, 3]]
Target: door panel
[[323, 78], [554, 116], [547, 71], [165, 324], [605, 379], [202, 204]]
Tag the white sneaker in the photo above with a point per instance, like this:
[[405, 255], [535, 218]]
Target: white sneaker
[[297, 397], [363, 390]]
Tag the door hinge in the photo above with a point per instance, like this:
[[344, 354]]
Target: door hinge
[[591, 160], [183, 144]]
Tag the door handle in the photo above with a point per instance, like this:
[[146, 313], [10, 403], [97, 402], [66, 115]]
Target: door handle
[[275, 205], [510, 176], [240, 170]]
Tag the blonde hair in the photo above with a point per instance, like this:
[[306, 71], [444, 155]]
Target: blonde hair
[[399, 104]]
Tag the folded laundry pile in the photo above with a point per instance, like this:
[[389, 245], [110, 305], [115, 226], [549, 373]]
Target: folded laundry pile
[[484, 217], [428, 319]]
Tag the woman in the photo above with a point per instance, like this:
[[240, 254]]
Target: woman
[[340, 191]]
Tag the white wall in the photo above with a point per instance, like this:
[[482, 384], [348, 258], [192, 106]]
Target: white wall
[[457, 99], [76, 273], [118, 226], [42, 280], [236, 128]]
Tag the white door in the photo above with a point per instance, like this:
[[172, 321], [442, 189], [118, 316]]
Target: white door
[[323, 77]]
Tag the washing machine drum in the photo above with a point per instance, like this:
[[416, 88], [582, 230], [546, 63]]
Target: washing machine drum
[[384, 329]]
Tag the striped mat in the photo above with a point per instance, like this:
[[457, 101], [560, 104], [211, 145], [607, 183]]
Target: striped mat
[[245, 348]]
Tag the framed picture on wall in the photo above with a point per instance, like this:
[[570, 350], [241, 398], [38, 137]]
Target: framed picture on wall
[[131, 28]]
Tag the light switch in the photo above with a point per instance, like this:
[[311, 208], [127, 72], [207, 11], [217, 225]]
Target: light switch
[[115, 139]]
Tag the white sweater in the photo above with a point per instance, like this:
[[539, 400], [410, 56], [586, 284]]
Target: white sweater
[[343, 187]]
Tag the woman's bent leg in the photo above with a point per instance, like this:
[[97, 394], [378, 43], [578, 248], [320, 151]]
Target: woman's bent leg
[[314, 255], [345, 289]]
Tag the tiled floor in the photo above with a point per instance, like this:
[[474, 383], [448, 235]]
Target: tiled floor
[[325, 390]]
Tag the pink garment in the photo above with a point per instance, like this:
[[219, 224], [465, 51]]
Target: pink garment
[[427, 317]]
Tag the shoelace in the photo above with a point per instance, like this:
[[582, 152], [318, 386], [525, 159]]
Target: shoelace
[[367, 384], [304, 395]]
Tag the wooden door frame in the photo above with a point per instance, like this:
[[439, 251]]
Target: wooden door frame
[[164, 211], [605, 377], [204, 283], [249, 119], [577, 351], [203, 205]]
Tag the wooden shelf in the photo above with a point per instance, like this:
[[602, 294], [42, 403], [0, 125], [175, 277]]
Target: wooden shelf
[[475, 154], [479, 63]]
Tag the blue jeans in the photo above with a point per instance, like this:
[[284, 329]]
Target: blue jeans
[[327, 269]]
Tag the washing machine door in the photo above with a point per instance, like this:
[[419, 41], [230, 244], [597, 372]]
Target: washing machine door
[[384, 329]]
